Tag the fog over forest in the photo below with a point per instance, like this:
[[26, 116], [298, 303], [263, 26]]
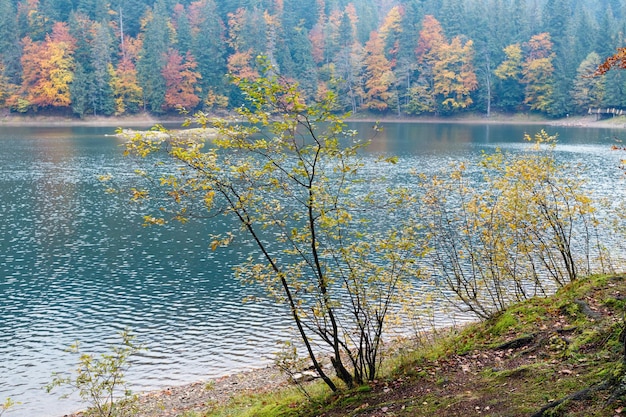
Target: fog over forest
[[406, 57]]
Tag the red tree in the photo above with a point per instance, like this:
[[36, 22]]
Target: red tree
[[180, 81]]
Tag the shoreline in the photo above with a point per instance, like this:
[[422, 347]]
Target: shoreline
[[146, 120], [198, 396]]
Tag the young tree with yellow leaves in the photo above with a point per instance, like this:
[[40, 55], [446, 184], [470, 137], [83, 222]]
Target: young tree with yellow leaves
[[291, 177], [509, 228]]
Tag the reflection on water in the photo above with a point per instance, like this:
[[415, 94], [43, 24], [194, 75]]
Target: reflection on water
[[76, 264]]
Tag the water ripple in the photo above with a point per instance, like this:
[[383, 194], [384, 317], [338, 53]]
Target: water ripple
[[75, 264]]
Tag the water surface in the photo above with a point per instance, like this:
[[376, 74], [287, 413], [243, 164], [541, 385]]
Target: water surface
[[76, 264]]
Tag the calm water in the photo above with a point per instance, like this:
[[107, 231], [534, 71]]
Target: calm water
[[76, 264]]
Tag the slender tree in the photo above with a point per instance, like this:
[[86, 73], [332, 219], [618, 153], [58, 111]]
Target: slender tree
[[286, 176], [152, 58]]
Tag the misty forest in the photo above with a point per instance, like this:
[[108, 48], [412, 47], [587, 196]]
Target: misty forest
[[384, 57]]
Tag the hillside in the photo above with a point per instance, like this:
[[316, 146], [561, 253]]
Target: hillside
[[556, 356]]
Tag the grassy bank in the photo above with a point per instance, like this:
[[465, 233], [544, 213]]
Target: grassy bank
[[556, 356]]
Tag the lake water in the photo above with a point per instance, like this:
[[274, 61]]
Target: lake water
[[76, 264]]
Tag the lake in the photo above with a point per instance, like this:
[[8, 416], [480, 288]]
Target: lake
[[76, 263]]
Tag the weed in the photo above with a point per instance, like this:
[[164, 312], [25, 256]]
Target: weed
[[100, 381]]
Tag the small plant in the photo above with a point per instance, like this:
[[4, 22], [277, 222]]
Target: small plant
[[100, 381], [8, 403], [289, 363]]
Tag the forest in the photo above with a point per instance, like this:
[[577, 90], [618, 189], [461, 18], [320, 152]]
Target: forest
[[384, 57]]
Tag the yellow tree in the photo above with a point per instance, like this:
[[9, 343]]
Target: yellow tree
[[538, 72], [286, 176], [48, 69], [390, 31], [511, 67], [378, 75], [422, 94], [126, 89], [509, 72], [446, 72], [454, 76]]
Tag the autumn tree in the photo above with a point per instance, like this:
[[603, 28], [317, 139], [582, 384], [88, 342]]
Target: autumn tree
[[289, 177], [509, 72], [378, 75], [127, 92], [537, 71], [447, 75], [454, 75], [180, 82], [48, 69], [422, 93]]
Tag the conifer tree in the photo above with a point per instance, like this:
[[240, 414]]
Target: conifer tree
[[152, 58]]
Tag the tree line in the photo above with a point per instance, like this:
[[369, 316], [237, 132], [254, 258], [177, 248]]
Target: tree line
[[404, 57]]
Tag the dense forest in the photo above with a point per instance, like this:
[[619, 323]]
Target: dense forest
[[395, 57]]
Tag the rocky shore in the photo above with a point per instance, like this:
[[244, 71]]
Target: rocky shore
[[202, 395]]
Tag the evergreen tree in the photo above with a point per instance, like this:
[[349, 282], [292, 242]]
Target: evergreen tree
[[368, 18], [606, 39], [209, 47], [79, 91], [452, 16], [520, 21], [129, 15], [56, 10], [615, 89], [96, 10], [10, 48], [404, 71], [588, 91], [303, 67], [101, 92], [152, 58], [584, 34], [184, 39], [556, 19]]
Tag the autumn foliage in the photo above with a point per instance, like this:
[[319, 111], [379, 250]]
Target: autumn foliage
[[403, 57], [48, 69], [180, 81]]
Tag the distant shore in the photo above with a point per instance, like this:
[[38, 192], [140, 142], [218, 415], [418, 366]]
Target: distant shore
[[147, 120]]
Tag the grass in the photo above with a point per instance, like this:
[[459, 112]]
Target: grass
[[564, 353]]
